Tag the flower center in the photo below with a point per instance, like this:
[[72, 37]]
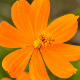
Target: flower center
[[44, 40]]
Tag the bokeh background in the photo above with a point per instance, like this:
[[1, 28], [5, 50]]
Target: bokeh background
[[58, 8]]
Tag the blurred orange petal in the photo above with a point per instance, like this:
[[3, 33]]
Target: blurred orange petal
[[24, 76], [37, 68], [69, 52], [22, 17], [5, 78], [58, 65], [41, 11], [16, 62], [22, 0], [11, 37], [63, 28]]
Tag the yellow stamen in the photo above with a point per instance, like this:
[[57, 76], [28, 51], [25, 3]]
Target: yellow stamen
[[37, 43], [44, 40]]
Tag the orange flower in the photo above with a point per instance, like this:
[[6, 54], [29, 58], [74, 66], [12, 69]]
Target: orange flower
[[32, 33], [23, 76]]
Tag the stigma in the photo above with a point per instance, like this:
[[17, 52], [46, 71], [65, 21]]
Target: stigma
[[44, 40]]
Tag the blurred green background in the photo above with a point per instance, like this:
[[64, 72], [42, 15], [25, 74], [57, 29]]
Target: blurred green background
[[58, 8]]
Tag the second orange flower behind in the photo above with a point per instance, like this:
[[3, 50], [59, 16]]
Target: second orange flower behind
[[23, 76], [39, 41]]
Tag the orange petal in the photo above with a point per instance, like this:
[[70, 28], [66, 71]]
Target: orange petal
[[11, 37], [58, 65], [63, 28], [37, 68], [24, 76], [5, 78], [41, 11], [22, 17], [69, 52], [16, 62], [22, 0]]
